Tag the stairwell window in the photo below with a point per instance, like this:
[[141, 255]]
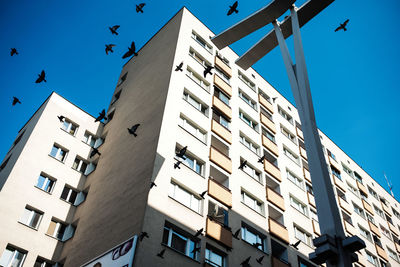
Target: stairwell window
[[195, 102], [45, 183], [58, 152], [185, 197], [202, 42], [180, 241], [31, 217], [69, 127]]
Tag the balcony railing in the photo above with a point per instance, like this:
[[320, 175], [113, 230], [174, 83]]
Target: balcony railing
[[271, 146], [345, 205], [267, 123], [303, 153], [221, 84], [374, 229], [219, 233], [221, 131], [220, 192], [367, 207], [349, 228], [311, 199], [278, 230], [362, 188], [272, 170], [307, 174], [299, 133], [223, 66], [316, 228], [278, 263], [339, 183], [265, 103], [393, 229], [275, 198], [381, 252], [386, 209], [220, 159], [221, 106]]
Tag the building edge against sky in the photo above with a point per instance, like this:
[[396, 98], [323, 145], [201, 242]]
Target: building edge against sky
[[224, 119]]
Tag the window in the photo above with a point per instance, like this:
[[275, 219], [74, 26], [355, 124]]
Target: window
[[309, 189], [370, 218], [268, 134], [373, 193], [185, 197], [69, 127], [214, 257], [285, 115], [221, 96], [224, 59], [89, 139], [359, 210], [196, 103], [58, 153], [331, 154], [336, 172], [288, 134], [313, 215], [264, 95], [302, 235], [68, 194], [248, 99], [249, 144], [358, 177], [252, 203], [56, 229], [199, 58], [392, 254], [79, 164], [12, 257], [246, 118], [247, 81], [180, 241], [31, 217], [396, 213], [385, 231], [198, 79], [298, 205], [379, 211], [253, 172], [372, 259], [291, 155], [254, 238], [347, 170], [122, 79], [221, 119], [295, 179], [352, 189], [222, 74], [365, 233], [193, 129], [116, 96], [4, 164], [40, 262], [194, 163], [202, 42], [45, 183]]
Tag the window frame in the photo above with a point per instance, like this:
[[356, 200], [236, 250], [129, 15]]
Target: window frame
[[260, 238], [202, 42], [184, 236], [34, 215], [57, 153], [307, 236], [256, 202], [46, 183], [298, 205], [14, 253], [172, 193], [201, 106], [68, 125]]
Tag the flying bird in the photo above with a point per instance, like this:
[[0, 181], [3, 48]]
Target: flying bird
[[131, 51], [61, 118], [152, 185], [176, 164], [15, 101], [246, 262], [273, 99], [133, 129], [242, 165], [109, 48], [295, 245], [41, 77], [233, 8], [143, 235], [102, 115], [259, 260], [161, 254], [207, 71], [342, 26], [139, 8], [261, 159], [179, 67], [236, 234], [94, 152], [114, 29], [202, 194], [181, 153], [199, 232], [13, 51]]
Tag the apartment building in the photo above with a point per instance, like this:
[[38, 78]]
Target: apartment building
[[243, 182]]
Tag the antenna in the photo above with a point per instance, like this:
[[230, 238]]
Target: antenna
[[389, 184]]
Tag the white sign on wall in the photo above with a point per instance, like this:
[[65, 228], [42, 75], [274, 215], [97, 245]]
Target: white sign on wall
[[119, 256]]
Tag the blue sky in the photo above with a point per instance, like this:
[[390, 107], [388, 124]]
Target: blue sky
[[353, 74]]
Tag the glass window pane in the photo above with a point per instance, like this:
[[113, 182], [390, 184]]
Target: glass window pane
[[35, 220], [53, 151], [40, 181], [178, 242]]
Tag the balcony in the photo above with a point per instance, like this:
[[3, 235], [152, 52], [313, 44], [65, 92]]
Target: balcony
[[220, 159], [381, 252], [271, 146], [367, 207], [362, 188], [275, 198], [221, 84], [265, 103], [220, 193], [222, 65], [397, 246], [345, 205], [307, 175], [315, 226], [349, 228], [334, 163], [374, 229], [218, 232], [221, 131], [311, 200], [267, 123], [393, 229], [278, 230], [221, 106], [299, 133], [278, 263], [303, 153], [386, 209], [272, 170], [339, 183]]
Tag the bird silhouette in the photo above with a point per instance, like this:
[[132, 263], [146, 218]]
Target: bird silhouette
[[41, 78], [260, 259], [139, 8], [233, 8], [152, 184], [295, 245], [246, 262], [15, 101], [179, 67], [161, 253], [114, 29], [242, 165], [202, 194], [273, 99], [342, 26], [13, 52], [207, 71], [61, 118], [261, 159], [133, 129], [236, 234], [142, 235], [199, 232], [181, 153], [131, 51], [109, 48], [196, 249], [176, 164], [94, 152], [102, 115]]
